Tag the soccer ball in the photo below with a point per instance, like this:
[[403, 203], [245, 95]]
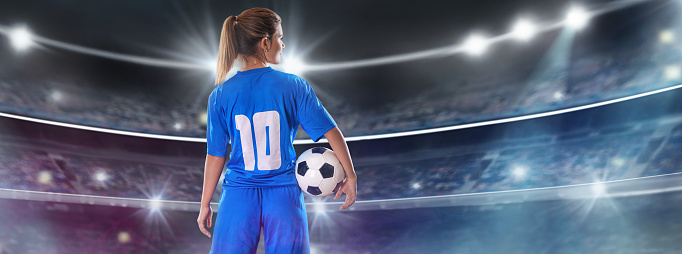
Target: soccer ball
[[319, 172]]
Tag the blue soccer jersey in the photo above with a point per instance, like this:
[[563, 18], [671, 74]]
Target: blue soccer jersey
[[258, 112]]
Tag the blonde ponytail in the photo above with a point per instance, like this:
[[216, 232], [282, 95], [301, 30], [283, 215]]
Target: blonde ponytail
[[227, 52]]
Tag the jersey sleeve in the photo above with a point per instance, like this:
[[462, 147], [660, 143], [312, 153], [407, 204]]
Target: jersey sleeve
[[216, 129], [313, 117]]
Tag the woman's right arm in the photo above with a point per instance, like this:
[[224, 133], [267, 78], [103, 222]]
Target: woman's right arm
[[213, 168]]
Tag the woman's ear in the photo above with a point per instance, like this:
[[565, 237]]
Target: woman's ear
[[265, 44]]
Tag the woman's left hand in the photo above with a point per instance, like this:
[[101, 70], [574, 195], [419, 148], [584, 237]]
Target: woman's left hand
[[348, 186]]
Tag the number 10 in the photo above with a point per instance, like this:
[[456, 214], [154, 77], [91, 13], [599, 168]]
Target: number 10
[[266, 126]]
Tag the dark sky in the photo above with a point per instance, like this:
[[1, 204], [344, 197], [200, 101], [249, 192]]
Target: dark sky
[[331, 31]]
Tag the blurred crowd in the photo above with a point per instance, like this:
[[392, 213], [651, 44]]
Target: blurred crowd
[[571, 158], [588, 78], [34, 169]]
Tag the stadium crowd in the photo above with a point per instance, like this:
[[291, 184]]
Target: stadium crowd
[[29, 169], [590, 77], [520, 163]]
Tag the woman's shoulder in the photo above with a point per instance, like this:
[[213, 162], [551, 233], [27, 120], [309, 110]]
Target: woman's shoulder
[[288, 76], [291, 80]]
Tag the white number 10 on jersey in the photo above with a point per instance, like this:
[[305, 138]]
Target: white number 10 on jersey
[[266, 126]]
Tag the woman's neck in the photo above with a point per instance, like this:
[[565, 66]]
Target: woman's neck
[[253, 63]]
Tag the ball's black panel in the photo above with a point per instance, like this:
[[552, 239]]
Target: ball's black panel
[[314, 190], [338, 185], [319, 150], [327, 170], [302, 168]]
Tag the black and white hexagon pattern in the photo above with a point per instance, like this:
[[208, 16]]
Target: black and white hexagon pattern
[[319, 172]]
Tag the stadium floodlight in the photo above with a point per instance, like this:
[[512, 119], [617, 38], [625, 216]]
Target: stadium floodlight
[[293, 65], [558, 95], [577, 18], [155, 203], [56, 95], [416, 186], [666, 36], [178, 126], [319, 207], [211, 65], [101, 176], [617, 162], [44, 177], [202, 118], [673, 72], [475, 45], [123, 237], [524, 30], [21, 38], [598, 188], [520, 172]]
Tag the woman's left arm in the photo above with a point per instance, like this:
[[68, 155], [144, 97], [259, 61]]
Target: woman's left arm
[[340, 148]]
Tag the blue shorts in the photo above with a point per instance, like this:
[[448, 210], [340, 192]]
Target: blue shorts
[[243, 211]]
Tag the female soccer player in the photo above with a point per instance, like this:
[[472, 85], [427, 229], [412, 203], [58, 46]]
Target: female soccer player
[[257, 112]]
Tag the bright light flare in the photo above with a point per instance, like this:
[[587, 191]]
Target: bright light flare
[[294, 65], [155, 203], [558, 95], [598, 189], [618, 162], [211, 65], [123, 237], [44, 177], [21, 38], [178, 126], [56, 96], [673, 72], [319, 208], [577, 18], [202, 118], [666, 36], [524, 30], [520, 172], [101, 176], [475, 45]]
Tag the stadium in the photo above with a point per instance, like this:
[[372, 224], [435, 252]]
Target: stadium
[[520, 126]]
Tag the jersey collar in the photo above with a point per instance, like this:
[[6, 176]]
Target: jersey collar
[[252, 71]]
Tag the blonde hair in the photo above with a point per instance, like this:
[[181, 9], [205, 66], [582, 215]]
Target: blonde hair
[[240, 37]]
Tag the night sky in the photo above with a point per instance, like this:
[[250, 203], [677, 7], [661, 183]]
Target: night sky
[[326, 31]]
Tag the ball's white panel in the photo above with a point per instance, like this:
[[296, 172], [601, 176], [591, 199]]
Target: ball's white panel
[[330, 157], [313, 177], [324, 194], [327, 186], [315, 161], [339, 174]]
